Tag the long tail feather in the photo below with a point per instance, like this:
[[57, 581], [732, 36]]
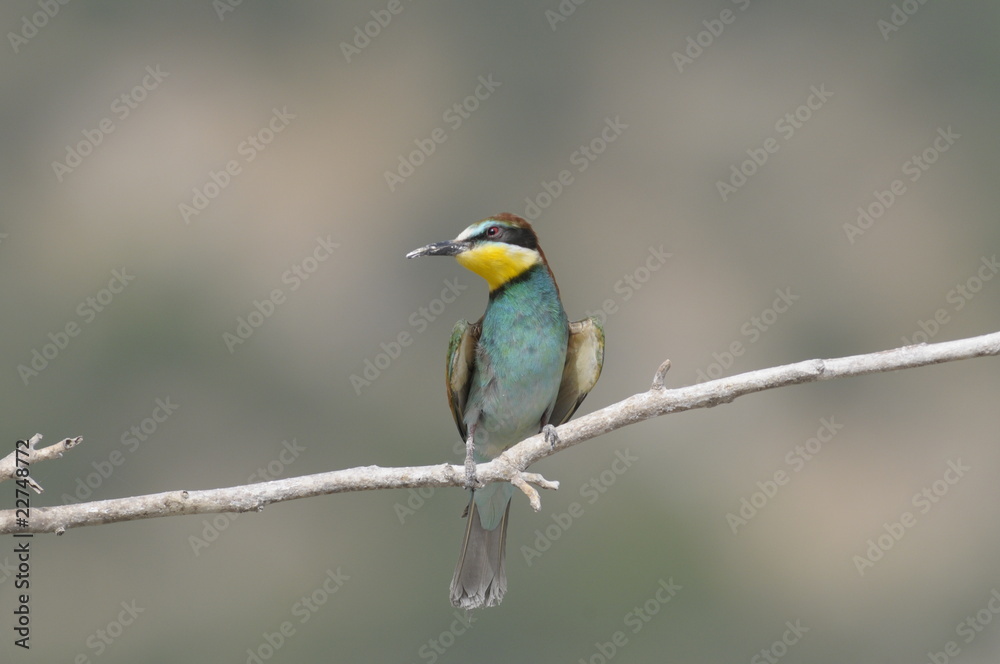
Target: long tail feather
[[480, 576]]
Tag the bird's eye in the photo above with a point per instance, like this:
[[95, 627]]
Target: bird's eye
[[493, 231]]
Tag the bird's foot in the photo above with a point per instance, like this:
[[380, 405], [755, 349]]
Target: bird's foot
[[471, 481], [551, 437]]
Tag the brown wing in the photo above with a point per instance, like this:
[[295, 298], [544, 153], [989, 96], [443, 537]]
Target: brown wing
[[584, 359], [458, 375]]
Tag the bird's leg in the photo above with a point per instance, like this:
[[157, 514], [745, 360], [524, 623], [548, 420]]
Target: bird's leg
[[470, 462], [551, 437]]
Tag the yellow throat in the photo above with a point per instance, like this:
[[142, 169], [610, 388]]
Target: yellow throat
[[497, 262]]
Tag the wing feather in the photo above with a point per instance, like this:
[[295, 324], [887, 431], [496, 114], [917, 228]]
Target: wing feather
[[584, 359], [461, 360]]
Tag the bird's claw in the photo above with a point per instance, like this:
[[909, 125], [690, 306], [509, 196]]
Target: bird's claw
[[551, 437], [471, 481]]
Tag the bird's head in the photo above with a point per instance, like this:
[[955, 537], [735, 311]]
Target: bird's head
[[498, 249]]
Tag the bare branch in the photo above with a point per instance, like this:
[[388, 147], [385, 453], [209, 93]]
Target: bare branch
[[510, 465], [661, 375], [8, 465]]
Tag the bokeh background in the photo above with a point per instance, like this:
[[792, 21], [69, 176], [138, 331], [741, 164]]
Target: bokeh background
[[203, 80]]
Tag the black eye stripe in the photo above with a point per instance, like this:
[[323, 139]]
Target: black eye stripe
[[521, 237]]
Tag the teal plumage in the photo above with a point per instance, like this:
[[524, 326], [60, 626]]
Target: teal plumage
[[520, 367]]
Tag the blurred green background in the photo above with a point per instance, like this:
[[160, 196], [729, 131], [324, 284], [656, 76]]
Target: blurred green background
[[309, 114]]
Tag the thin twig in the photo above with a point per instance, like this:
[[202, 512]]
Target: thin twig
[[8, 465]]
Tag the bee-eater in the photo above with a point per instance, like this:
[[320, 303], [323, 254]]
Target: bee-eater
[[521, 367]]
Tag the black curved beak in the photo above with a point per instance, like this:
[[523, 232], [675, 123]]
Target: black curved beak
[[449, 248]]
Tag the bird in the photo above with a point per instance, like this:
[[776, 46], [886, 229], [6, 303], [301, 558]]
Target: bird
[[521, 369]]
